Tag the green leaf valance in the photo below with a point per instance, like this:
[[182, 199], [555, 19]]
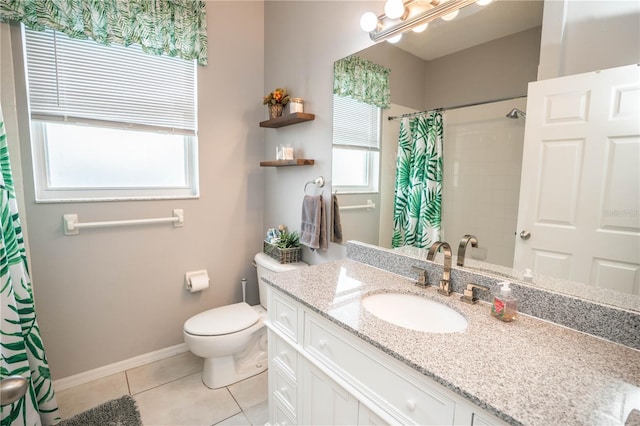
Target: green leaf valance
[[362, 80], [176, 28]]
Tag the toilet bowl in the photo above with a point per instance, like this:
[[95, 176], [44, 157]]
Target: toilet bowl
[[232, 339]]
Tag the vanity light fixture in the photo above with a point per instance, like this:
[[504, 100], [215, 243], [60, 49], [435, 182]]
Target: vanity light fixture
[[401, 16]]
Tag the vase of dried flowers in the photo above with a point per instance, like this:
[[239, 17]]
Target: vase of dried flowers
[[276, 101]]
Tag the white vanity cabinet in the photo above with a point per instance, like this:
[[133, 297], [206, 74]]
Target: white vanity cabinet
[[320, 373]]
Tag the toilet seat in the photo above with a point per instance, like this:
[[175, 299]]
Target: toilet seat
[[223, 320]]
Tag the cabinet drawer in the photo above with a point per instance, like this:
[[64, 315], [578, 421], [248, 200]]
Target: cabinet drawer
[[283, 314], [284, 390], [408, 400], [282, 415], [283, 355]]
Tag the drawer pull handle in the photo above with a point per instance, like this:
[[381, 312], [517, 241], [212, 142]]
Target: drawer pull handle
[[284, 389], [322, 343], [283, 316], [284, 354], [411, 404]]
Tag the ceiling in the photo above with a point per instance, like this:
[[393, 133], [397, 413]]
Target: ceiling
[[474, 25]]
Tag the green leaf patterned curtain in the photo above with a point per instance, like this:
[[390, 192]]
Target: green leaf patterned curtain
[[418, 189], [362, 80], [20, 342], [176, 28]]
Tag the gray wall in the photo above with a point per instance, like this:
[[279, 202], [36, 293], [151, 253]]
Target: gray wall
[[302, 41], [495, 70], [110, 294], [407, 79], [583, 35]]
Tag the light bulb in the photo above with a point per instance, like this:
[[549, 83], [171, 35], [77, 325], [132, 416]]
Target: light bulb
[[420, 28], [395, 38], [483, 2], [369, 22], [450, 16], [394, 9]]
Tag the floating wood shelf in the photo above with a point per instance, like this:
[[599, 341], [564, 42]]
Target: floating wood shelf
[[282, 163], [287, 120]]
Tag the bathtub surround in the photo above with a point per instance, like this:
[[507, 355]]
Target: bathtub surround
[[608, 322]]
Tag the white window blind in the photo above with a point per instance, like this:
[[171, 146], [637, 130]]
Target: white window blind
[[355, 124], [80, 81]]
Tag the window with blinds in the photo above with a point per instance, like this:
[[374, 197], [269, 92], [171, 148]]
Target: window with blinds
[[109, 122], [356, 145]]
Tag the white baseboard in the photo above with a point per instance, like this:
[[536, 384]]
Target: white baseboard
[[117, 367]]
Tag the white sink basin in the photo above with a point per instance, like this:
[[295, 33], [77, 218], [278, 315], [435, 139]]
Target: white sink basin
[[415, 312]]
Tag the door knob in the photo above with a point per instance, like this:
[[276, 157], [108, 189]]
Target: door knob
[[12, 388], [525, 235]]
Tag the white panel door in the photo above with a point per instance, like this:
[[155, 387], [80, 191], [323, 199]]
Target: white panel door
[[580, 188]]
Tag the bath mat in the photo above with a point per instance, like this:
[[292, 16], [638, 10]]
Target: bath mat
[[117, 412]]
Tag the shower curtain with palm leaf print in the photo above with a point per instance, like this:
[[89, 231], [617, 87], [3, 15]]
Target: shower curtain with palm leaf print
[[418, 189], [20, 343]]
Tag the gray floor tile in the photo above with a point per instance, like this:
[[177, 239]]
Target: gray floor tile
[[164, 371], [258, 414], [185, 402], [251, 391], [88, 395], [237, 420]]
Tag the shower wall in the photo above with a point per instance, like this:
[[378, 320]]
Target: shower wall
[[481, 181]]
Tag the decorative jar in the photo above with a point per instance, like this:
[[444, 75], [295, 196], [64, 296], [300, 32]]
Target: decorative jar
[[296, 105], [275, 110]]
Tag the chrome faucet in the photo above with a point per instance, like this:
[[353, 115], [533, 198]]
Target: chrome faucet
[[462, 248], [443, 288]]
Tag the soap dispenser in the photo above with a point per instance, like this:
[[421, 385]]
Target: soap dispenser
[[504, 304]]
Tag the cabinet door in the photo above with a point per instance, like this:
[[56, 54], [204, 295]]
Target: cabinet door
[[367, 417], [324, 402]]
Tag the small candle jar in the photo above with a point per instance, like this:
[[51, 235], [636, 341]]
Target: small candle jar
[[280, 152], [288, 152], [296, 105]]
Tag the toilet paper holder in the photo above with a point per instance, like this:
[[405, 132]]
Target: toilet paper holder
[[196, 280]]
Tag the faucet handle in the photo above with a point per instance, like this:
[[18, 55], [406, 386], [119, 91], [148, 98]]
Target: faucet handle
[[468, 296], [444, 287], [422, 276]]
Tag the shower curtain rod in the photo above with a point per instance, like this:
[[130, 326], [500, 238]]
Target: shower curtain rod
[[413, 114]]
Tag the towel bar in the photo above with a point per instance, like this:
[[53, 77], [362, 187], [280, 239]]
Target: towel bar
[[369, 206], [72, 226]]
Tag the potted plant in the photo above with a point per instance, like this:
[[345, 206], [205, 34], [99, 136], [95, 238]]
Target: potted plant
[[284, 246], [276, 101]]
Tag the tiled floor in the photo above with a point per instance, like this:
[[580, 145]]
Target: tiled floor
[[171, 392]]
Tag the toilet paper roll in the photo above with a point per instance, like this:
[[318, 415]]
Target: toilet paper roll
[[196, 281]]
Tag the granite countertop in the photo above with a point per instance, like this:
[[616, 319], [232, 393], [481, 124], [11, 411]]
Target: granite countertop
[[528, 372]]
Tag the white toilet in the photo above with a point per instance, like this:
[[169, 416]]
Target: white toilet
[[233, 339]]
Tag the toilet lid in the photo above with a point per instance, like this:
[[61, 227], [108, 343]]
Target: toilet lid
[[222, 320]]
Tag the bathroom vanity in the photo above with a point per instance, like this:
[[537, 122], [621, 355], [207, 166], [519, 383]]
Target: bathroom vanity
[[331, 361]]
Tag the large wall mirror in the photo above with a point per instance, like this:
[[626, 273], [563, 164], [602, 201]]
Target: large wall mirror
[[477, 69]]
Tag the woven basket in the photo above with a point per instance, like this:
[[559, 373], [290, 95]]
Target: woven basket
[[283, 255]]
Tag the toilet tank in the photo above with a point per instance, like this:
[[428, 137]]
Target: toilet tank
[[266, 264]]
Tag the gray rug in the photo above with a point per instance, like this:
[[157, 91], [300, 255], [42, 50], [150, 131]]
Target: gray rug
[[117, 412]]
